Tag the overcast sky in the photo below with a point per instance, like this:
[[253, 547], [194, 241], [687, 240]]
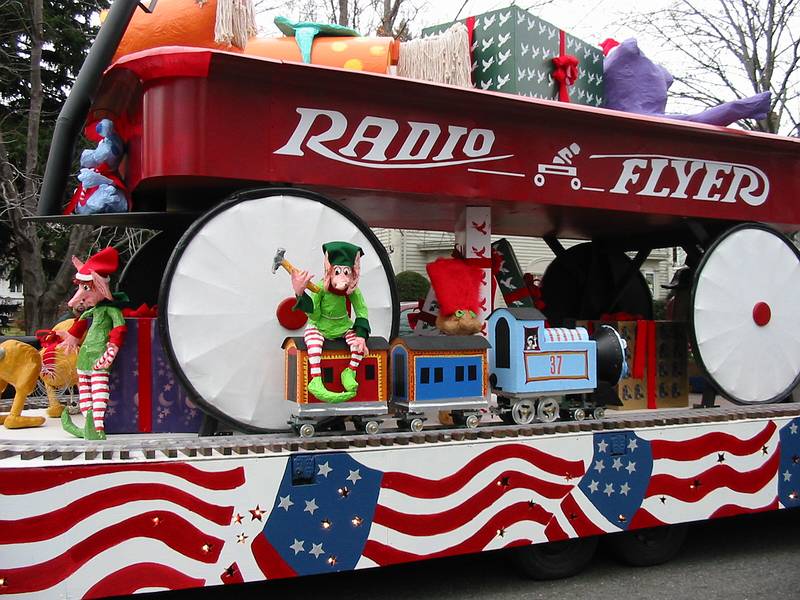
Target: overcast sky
[[590, 20]]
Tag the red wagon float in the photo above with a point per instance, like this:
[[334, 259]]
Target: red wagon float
[[334, 152], [233, 157]]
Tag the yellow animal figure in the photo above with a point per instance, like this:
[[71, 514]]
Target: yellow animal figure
[[20, 365], [62, 374]]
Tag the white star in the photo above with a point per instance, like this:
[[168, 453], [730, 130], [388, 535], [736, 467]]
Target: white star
[[316, 550], [324, 469], [632, 445], [285, 502], [354, 476], [593, 486], [311, 506], [617, 464], [624, 489], [601, 447], [793, 428], [297, 546], [631, 467], [609, 489], [599, 466], [786, 475]]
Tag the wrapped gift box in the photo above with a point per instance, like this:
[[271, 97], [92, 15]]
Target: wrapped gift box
[[145, 395], [657, 356], [513, 51], [509, 276]]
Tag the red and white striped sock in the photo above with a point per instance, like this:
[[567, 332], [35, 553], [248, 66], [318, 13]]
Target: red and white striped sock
[[99, 398], [314, 340], [355, 357], [84, 391]]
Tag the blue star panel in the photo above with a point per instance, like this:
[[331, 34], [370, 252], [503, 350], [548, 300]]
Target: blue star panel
[[322, 526]]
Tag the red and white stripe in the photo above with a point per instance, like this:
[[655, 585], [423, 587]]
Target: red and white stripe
[[501, 496], [355, 357], [314, 341], [564, 334], [702, 473]]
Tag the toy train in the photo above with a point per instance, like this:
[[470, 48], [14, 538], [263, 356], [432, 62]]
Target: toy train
[[538, 373]]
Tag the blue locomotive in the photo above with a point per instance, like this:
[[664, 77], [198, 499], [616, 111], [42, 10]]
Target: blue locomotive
[[540, 372]]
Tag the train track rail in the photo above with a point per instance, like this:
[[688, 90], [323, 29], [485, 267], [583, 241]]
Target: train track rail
[[162, 447]]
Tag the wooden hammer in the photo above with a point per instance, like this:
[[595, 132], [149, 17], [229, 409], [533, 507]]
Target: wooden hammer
[[280, 261]]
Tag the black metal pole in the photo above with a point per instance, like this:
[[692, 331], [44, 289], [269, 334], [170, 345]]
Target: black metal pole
[[73, 114]]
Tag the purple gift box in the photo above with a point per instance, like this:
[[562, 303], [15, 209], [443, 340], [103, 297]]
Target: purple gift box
[[145, 395]]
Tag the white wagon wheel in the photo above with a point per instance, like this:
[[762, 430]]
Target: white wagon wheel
[[746, 314], [219, 297]]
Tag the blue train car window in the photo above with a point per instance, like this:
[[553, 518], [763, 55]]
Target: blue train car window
[[425, 375], [438, 375], [472, 373], [327, 374], [502, 353], [369, 372], [460, 373]]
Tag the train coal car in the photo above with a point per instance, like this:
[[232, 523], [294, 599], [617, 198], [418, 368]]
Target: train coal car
[[369, 403], [539, 371], [444, 373]]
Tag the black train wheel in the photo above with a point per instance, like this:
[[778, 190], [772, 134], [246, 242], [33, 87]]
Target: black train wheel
[[219, 297], [586, 281]]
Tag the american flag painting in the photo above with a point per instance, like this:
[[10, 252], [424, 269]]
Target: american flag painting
[[94, 530], [97, 530], [378, 508]]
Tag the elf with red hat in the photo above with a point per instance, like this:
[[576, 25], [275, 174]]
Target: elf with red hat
[[328, 316], [105, 335], [456, 284]]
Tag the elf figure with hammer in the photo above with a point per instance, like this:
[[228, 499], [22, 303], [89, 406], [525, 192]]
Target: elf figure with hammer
[[329, 318]]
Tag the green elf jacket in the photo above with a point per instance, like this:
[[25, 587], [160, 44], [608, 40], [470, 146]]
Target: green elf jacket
[[327, 311], [105, 317]]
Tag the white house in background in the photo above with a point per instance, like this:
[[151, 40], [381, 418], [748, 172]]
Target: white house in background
[[411, 250], [10, 294]]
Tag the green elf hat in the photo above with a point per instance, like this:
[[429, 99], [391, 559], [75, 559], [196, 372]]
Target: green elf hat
[[343, 254]]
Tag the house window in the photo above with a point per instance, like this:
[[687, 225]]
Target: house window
[[650, 278], [369, 372], [327, 374], [438, 375], [472, 373], [425, 375], [460, 373]]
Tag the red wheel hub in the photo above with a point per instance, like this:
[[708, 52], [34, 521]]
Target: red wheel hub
[[761, 313]]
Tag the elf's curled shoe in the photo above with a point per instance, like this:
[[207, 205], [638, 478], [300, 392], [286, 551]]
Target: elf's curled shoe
[[68, 426], [349, 381], [89, 430], [317, 387]]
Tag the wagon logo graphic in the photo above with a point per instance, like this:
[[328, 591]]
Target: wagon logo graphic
[[421, 145], [661, 176]]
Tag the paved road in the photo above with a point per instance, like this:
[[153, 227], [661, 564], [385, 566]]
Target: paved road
[[745, 558]]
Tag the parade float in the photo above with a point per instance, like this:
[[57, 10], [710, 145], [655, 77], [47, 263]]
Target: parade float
[[259, 425]]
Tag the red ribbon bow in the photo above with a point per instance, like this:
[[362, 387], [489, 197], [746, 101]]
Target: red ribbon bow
[[565, 73]]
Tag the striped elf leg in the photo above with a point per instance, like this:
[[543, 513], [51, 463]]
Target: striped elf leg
[[99, 398], [355, 357], [314, 340], [84, 391]]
